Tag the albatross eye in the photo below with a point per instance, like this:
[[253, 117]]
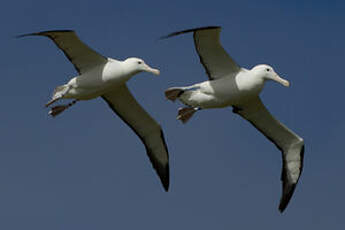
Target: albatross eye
[[268, 70], [139, 62]]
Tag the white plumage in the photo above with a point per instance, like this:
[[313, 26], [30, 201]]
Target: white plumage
[[106, 77], [231, 85]]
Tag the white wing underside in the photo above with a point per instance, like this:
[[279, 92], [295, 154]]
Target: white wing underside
[[291, 145], [213, 57], [149, 131], [78, 53]]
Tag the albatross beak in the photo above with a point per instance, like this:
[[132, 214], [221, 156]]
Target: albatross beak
[[281, 81], [152, 70]]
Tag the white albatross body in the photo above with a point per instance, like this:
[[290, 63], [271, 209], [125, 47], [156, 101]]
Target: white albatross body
[[232, 85], [105, 77]]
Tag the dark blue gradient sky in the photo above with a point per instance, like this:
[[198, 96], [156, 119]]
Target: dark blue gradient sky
[[87, 170]]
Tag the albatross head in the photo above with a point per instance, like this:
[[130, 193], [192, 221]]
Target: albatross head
[[137, 65], [267, 73]]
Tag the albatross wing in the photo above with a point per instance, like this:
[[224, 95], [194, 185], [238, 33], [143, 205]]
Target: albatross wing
[[213, 57], [149, 131], [291, 145], [82, 56]]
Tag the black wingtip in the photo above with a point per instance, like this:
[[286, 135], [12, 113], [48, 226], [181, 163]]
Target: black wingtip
[[286, 197], [281, 210], [25, 35], [289, 189], [42, 33], [163, 173], [282, 207], [165, 179], [188, 31], [162, 169]]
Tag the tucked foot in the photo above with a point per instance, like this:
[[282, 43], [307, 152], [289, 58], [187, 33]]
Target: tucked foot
[[173, 93], [184, 114], [56, 110]]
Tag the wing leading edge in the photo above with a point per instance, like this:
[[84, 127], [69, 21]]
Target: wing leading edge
[[78, 53], [213, 57], [149, 131]]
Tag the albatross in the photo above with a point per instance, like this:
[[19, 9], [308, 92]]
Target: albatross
[[232, 85], [104, 77]]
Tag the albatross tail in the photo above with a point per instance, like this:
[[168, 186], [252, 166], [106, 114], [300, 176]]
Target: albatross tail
[[174, 93], [58, 93], [184, 114]]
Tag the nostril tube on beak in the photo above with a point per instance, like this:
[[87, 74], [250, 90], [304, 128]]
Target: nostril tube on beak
[[156, 72], [152, 70], [282, 81]]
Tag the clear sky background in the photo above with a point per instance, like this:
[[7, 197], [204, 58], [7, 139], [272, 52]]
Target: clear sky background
[[87, 170]]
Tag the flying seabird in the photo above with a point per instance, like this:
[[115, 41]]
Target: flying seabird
[[231, 85], [104, 77]]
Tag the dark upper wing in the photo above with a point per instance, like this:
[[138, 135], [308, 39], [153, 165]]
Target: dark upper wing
[[291, 145], [149, 131], [82, 56], [214, 58]]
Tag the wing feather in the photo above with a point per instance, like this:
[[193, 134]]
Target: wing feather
[[78, 53], [213, 57], [148, 130], [291, 145]]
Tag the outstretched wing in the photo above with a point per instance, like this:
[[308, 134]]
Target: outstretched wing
[[82, 56], [213, 57], [149, 131], [291, 145]]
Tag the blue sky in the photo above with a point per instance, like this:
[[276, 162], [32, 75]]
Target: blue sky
[[87, 170]]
